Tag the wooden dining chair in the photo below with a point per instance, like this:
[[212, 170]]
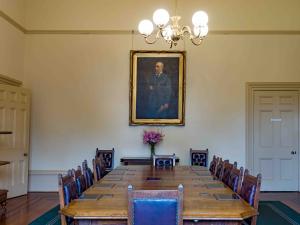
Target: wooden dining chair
[[88, 174], [99, 168], [159, 207], [227, 170], [67, 191], [220, 169], [249, 191], [108, 158], [164, 161], [235, 179], [198, 157], [213, 165], [80, 180]]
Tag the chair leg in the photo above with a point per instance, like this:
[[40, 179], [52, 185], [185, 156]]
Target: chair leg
[[63, 220], [253, 220]]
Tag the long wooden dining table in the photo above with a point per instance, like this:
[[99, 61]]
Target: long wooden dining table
[[206, 200]]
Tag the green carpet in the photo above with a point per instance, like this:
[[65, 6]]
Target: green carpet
[[51, 217], [270, 213], [276, 213]]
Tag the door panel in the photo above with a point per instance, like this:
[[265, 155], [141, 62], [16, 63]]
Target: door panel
[[14, 116], [276, 127]]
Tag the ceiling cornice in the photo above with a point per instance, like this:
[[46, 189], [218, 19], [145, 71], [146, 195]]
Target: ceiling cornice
[[130, 32]]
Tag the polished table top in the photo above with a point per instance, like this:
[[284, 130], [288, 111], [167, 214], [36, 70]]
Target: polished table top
[[107, 199]]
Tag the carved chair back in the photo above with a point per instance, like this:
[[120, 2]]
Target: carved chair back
[[235, 179], [220, 169], [199, 157], [67, 191], [107, 156], [213, 165], [159, 207], [80, 180], [227, 170], [88, 174], [164, 161], [99, 168], [250, 191]]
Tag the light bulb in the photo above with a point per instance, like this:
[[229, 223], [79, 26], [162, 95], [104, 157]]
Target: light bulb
[[167, 33], [196, 31], [203, 31], [200, 18], [145, 27], [161, 17]]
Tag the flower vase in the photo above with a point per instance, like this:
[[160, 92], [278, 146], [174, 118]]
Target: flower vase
[[152, 150]]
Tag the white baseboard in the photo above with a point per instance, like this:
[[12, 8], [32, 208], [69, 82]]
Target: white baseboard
[[43, 180]]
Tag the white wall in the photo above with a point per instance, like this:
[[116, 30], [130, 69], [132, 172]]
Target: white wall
[[12, 40], [80, 83]]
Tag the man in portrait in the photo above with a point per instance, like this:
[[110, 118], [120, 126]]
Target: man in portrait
[[159, 93]]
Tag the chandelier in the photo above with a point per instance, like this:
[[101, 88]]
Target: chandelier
[[169, 29]]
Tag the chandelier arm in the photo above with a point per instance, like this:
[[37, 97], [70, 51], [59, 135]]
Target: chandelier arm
[[196, 40], [148, 37], [186, 30]]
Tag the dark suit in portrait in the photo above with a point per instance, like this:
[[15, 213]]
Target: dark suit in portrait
[[159, 98]]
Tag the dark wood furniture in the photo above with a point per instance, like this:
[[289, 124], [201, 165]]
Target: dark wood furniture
[[213, 165], [99, 169], [235, 179], [199, 157], [3, 201], [159, 207], [250, 190], [88, 174], [164, 160], [227, 170], [201, 205], [108, 157], [80, 180], [220, 169], [67, 191], [139, 160], [3, 193]]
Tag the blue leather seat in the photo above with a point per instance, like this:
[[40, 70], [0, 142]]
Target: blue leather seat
[[155, 207], [155, 211]]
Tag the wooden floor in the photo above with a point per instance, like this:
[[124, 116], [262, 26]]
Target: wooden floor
[[23, 210]]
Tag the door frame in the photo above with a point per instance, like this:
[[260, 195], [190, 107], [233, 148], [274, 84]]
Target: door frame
[[251, 87]]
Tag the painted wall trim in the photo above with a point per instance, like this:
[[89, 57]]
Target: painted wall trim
[[130, 32], [10, 81], [12, 21], [46, 172]]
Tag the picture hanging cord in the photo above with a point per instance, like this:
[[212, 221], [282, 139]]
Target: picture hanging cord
[[132, 36]]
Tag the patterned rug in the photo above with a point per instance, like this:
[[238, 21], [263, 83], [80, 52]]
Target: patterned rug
[[276, 213], [51, 217], [270, 213]]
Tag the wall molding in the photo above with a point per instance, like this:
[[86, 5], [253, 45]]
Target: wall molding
[[130, 32], [10, 81], [46, 172]]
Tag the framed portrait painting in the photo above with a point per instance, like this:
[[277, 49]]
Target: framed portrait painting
[[157, 87]]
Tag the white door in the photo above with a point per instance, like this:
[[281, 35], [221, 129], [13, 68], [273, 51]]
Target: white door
[[276, 136], [14, 116]]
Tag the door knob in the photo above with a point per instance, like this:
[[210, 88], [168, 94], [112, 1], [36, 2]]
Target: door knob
[[25, 154]]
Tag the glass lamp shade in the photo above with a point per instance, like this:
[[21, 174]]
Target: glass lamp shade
[[167, 33], [201, 31], [200, 18], [145, 27], [161, 17]]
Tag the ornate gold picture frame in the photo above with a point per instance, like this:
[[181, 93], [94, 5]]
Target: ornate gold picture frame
[[157, 88]]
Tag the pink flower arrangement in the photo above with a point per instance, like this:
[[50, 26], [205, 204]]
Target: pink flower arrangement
[[152, 137]]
